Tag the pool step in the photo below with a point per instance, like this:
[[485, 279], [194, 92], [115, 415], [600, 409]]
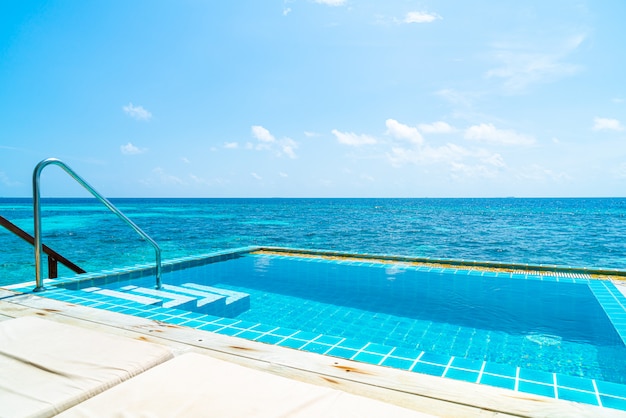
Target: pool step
[[236, 302], [191, 297], [174, 300], [144, 300], [207, 303]]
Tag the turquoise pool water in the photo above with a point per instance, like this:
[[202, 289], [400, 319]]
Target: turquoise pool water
[[550, 335]]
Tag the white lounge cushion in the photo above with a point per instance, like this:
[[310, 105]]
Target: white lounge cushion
[[195, 385], [47, 367]]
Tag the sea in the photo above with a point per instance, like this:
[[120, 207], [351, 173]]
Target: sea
[[575, 232]]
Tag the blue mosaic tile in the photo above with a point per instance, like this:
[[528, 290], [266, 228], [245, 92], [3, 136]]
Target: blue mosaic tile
[[329, 339], [536, 388], [249, 335], [304, 335], [354, 344], [536, 376], [499, 381], [500, 369], [229, 331], [270, 339], [398, 363], [435, 358], [342, 352], [378, 349], [314, 347], [574, 382], [612, 389], [430, 369], [577, 396], [469, 364], [405, 353], [264, 328], [465, 375], [611, 402], [368, 357]]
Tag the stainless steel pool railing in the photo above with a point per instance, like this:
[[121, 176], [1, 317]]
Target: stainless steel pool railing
[[37, 218]]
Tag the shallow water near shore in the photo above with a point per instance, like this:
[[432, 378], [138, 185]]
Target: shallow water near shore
[[565, 232]]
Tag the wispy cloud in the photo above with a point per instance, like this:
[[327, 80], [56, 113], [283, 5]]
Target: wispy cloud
[[130, 149], [267, 141], [166, 178], [522, 65], [487, 132], [331, 2], [352, 139], [605, 124], [256, 176], [137, 112], [420, 17], [436, 128], [231, 145]]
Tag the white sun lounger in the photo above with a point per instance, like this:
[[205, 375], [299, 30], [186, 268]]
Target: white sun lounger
[[195, 385], [47, 367]]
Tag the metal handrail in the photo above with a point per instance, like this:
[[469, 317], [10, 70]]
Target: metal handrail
[[37, 215], [53, 257]]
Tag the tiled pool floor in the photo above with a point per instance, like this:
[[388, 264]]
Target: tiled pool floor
[[553, 385]]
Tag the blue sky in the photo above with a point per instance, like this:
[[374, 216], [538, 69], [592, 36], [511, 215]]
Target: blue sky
[[315, 98]]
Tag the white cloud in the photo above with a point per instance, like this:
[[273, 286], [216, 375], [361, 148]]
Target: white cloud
[[436, 128], [524, 65], [166, 178], [617, 100], [401, 131], [286, 11], [256, 176], [284, 146], [137, 112], [486, 132], [420, 17], [467, 171], [331, 2], [456, 97], [310, 134], [427, 154], [231, 145], [288, 147], [130, 149], [185, 160], [262, 134], [495, 160], [350, 138], [284, 175], [605, 124], [537, 172]]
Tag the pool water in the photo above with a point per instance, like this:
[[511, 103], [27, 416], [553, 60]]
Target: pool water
[[542, 325], [557, 334]]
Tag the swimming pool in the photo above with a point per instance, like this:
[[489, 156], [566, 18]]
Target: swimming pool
[[540, 333]]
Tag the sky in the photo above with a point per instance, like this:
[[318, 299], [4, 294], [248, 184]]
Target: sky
[[314, 98]]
